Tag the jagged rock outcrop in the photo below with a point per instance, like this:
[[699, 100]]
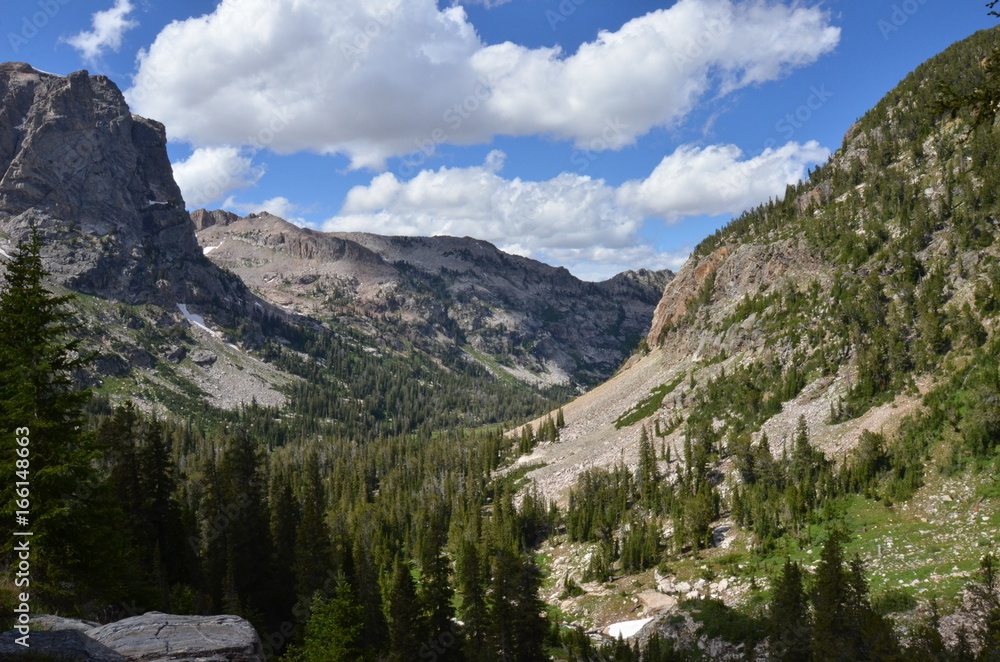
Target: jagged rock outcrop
[[542, 324], [202, 218], [96, 182], [723, 278], [681, 291]]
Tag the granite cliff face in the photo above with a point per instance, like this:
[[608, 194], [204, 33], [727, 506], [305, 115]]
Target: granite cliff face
[[536, 322], [96, 183], [95, 180]]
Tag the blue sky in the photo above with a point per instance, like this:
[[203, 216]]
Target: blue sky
[[592, 134]]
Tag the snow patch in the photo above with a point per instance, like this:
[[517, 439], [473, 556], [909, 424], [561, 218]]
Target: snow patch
[[209, 249], [5, 254], [627, 629], [156, 202], [196, 320]]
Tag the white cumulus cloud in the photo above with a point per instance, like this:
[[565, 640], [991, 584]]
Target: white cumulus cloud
[[566, 211], [400, 77], [585, 224], [714, 180], [211, 173], [108, 29]]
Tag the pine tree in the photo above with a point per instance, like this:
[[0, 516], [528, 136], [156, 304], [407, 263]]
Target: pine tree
[[436, 594], [365, 584], [167, 555], [71, 514], [406, 623], [333, 631], [833, 640], [471, 578], [117, 439], [527, 441], [312, 536], [646, 474], [242, 516], [789, 621], [876, 639], [284, 521], [518, 628], [846, 626]]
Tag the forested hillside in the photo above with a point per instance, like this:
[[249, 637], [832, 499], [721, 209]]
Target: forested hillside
[[825, 363]]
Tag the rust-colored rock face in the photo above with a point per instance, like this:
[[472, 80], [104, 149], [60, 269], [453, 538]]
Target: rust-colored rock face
[[681, 290]]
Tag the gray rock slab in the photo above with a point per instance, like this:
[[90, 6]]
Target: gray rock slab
[[172, 638]]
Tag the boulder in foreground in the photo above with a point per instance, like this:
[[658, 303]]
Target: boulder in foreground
[[171, 638]]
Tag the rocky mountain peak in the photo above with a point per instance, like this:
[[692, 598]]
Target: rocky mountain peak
[[203, 218], [541, 323], [95, 180]]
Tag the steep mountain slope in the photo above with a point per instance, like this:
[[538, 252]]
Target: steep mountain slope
[[856, 316], [868, 279], [537, 323]]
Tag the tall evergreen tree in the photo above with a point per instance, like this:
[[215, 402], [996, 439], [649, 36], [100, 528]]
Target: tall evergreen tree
[[333, 631], [365, 585], [71, 514], [518, 627], [875, 639], [788, 618], [833, 639], [406, 623], [284, 521], [312, 537], [117, 439], [241, 521], [471, 578], [162, 512], [436, 594], [646, 473]]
